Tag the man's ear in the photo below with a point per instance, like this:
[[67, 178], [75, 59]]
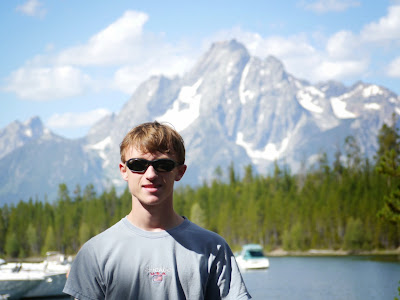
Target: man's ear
[[124, 171], [181, 171]]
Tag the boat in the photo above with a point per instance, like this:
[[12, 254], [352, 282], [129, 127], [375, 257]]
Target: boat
[[15, 281], [34, 280], [252, 258], [55, 269]]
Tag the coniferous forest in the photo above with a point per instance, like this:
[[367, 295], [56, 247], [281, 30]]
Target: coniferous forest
[[351, 204]]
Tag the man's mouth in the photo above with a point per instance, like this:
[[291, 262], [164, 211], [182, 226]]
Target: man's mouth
[[151, 187]]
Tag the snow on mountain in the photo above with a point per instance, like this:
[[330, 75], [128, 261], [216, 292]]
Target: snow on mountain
[[339, 107], [371, 91], [185, 109], [307, 99], [230, 108], [270, 152], [101, 149]]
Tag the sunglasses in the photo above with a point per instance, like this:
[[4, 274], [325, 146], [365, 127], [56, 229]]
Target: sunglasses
[[140, 165]]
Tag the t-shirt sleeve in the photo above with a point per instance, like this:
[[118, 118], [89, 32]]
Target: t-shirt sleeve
[[225, 281], [85, 280]]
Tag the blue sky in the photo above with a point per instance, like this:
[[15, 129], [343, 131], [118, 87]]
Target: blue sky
[[71, 62]]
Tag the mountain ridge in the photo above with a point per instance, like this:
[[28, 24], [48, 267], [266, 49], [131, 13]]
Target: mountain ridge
[[233, 108]]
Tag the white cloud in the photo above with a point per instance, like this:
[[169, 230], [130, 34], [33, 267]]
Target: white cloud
[[323, 6], [118, 43], [298, 55], [386, 29], [32, 8], [394, 68], [40, 83], [340, 58], [127, 78], [132, 54], [76, 120], [343, 58], [278, 46], [342, 69], [125, 42], [345, 55], [342, 45], [284, 47]]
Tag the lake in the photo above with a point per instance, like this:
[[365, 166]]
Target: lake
[[325, 278]]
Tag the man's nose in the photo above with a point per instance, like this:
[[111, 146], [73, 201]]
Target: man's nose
[[151, 172]]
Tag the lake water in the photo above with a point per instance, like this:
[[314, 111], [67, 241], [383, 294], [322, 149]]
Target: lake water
[[324, 278]]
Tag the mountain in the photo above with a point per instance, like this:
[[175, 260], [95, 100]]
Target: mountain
[[17, 134], [35, 161], [230, 108]]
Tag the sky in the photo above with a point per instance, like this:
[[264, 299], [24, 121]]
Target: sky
[[72, 62]]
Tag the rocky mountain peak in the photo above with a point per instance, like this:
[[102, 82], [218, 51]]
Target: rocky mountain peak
[[17, 134], [222, 59], [34, 127], [230, 108]]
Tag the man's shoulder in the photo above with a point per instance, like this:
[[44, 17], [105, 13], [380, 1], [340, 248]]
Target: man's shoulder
[[109, 234], [195, 234], [196, 229]]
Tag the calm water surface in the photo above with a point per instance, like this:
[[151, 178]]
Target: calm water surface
[[324, 278]]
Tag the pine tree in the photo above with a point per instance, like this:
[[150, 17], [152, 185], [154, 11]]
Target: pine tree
[[84, 233], [50, 243], [388, 163], [197, 215], [354, 237], [12, 245], [32, 237], [3, 230]]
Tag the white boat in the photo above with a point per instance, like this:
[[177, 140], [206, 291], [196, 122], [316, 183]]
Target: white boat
[[30, 280], [252, 257], [15, 282]]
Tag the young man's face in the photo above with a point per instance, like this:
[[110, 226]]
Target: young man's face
[[151, 187]]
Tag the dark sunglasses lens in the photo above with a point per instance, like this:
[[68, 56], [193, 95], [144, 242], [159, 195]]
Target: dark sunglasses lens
[[164, 165], [137, 165]]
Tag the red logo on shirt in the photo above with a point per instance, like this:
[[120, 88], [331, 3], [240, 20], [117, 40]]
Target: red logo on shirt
[[157, 273], [158, 276]]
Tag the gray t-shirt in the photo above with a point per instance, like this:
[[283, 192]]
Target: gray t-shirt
[[186, 262]]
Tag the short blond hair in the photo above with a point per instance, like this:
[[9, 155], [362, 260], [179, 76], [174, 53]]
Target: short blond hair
[[153, 137]]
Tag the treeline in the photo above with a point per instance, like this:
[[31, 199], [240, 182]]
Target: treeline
[[35, 227], [335, 205], [325, 209]]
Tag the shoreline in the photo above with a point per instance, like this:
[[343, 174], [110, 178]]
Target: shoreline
[[330, 252], [274, 253]]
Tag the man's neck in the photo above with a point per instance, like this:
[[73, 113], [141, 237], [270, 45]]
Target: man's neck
[[154, 218]]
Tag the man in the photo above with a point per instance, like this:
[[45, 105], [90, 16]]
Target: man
[[154, 253]]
